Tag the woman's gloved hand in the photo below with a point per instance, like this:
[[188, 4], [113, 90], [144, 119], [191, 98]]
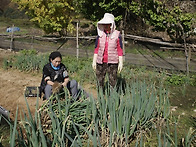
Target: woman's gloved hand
[[94, 64], [120, 64]]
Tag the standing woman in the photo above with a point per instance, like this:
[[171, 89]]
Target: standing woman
[[55, 71], [108, 53]]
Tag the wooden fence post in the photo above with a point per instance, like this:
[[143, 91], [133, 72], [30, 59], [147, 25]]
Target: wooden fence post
[[123, 40], [32, 41], [189, 56], [12, 38], [77, 46]]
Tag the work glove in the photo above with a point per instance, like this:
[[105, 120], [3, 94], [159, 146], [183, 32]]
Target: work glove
[[94, 61], [120, 63]]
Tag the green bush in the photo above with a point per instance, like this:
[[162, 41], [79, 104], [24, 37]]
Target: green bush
[[181, 79], [28, 52]]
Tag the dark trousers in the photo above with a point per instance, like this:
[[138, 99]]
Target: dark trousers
[[101, 71]]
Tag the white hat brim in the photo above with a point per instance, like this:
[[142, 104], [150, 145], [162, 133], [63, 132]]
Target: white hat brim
[[105, 21]]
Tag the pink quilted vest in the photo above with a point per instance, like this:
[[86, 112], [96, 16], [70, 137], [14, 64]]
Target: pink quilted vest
[[112, 48]]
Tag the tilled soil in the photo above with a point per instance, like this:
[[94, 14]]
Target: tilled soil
[[12, 88]]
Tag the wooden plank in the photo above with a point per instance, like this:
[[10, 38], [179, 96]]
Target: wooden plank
[[150, 40], [172, 48]]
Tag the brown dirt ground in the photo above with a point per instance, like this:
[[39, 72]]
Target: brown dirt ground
[[12, 88]]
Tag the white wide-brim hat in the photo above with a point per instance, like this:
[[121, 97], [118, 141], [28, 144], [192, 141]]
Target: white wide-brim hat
[[107, 19]]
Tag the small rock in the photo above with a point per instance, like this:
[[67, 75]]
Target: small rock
[[174, 108]]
